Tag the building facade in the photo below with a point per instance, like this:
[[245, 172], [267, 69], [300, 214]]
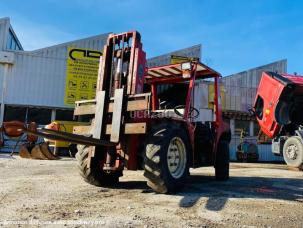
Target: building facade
[[33, 83]]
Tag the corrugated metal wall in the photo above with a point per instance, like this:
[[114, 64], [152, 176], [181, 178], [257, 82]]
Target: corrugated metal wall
[[201, 101], [241, 87], [37, 78], [1, 79], [201, 95]]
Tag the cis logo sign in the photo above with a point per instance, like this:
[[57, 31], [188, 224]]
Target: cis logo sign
[[77, 53]]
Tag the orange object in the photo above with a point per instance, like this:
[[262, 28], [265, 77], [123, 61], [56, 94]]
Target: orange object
[[53, 126], [13, 128]]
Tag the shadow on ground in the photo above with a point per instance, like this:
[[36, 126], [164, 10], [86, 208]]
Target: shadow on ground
[[218, 193]]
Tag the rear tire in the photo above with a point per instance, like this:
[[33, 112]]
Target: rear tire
[[94, 174], [293, 152], [166, 161], [222, 161]]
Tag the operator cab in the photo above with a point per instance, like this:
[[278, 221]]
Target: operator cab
[[172, 99], [174, 96], [173, 90]]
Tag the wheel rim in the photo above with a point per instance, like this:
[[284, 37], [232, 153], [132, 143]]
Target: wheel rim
[[176, 157], [292, 152]]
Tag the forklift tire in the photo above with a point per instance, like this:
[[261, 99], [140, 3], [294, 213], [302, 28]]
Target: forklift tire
[[222, 161], [293, 152], [94, 175], [166, 158]]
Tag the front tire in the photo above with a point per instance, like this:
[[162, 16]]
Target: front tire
[[166, 158], [94, 174], [293, 152]]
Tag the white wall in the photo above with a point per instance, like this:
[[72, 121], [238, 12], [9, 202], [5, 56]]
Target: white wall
[[37, 78]]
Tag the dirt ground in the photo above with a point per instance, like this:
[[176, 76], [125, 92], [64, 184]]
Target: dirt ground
[[34, 192]]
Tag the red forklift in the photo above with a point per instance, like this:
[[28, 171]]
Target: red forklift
[[137, 123]]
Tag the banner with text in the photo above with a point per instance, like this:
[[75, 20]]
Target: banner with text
[[81, 74]]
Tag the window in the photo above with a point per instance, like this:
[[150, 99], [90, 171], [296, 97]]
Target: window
[[172, 95], [241, 125], [9, 41], [13, 45], [41, 116], [259, 107], [65, 115], [14, 113], [12, 42]]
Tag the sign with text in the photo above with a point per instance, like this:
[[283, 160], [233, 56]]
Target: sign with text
[[81, 74]]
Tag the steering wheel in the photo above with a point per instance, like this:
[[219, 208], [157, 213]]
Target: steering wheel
[[193, 112]]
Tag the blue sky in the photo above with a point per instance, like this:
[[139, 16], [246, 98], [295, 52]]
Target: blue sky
[[235, 34]]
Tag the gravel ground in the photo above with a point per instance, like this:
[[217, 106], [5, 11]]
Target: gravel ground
[[40, 193]]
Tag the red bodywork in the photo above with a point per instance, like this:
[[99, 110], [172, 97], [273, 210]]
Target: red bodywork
[[275, 88]]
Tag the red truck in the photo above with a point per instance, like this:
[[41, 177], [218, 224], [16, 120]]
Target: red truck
[[278, 108]]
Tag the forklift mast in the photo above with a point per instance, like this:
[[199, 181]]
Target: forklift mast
[[121, 74], [123, 64]]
